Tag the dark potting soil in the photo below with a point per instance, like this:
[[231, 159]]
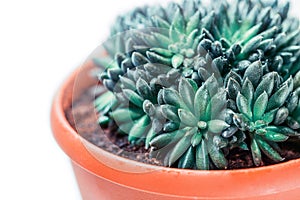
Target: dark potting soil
[[83, 119]]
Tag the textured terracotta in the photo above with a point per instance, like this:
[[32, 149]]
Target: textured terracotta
[[102, 175]]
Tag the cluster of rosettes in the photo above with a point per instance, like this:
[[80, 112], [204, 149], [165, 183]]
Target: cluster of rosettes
[[193, 81]]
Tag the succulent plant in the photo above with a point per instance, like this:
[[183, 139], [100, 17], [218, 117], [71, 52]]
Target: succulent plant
[[194, 81], [258, 30], [195, 121], [172, 36], [259, 109], [129, 114]]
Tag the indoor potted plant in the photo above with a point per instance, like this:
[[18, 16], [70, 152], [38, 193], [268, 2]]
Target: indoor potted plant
[[191, 84]]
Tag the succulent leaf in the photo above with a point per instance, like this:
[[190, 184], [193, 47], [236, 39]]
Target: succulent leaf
[[202, 158], [254, 73], [201, 102], [269, 151], [275, 137], [139, 129], [243, 105], [217, 126], [181, 147], [256, 153], [187, 118], [278, 98], [187, 161], [260, 106], [186, 90]]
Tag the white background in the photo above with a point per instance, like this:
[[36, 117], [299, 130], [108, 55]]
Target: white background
[[41, 42]]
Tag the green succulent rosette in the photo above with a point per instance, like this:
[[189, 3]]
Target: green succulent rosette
[[258, 30], [259, 107], [191, 136], [192, 81]]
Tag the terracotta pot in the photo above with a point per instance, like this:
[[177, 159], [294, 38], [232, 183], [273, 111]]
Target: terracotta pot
[[102, 175]]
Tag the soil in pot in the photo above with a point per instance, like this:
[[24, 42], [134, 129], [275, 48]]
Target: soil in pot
[[83, 119]]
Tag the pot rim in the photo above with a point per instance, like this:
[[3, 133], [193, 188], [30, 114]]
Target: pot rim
[[71, 142]]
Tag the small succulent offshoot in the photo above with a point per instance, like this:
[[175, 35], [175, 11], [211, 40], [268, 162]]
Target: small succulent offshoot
[[192, 82]]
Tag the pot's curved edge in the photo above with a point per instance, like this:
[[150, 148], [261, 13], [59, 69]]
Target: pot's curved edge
[[261, 181]]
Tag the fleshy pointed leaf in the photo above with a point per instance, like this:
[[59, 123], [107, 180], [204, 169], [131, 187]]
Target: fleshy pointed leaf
[[254, 73], [233, 88], [178, 21], [187, 118], [217, 157], [293, 123], [202, 158], [269, 33], [189, 8], [203, 74], [174, 34], [218, 102], [172, 97], [150, 135], [283, 130], [103, 120], [114, 73], [243, 105], [125, 128], [196, 139], [193, 84], [164, 140], [177, 60], [212, 85], [193, 22], [162, 52], [155, 58], [200, 103], [138, 59], [275, 137], [103, 100], [266, 84], [170, 113], [163, 41], [256, 153], [269, 151], [252, 44], [187, 92], [251, 32], [124, 115], [217, 126], [234, 76], [139, 129], [281, 116], [269, 116], [127, 83], [260, 106], [180, 148], [171, 126], [278, 98], [187, 161], [144, 89], [248, 90], [133, 97], [161, 23]]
